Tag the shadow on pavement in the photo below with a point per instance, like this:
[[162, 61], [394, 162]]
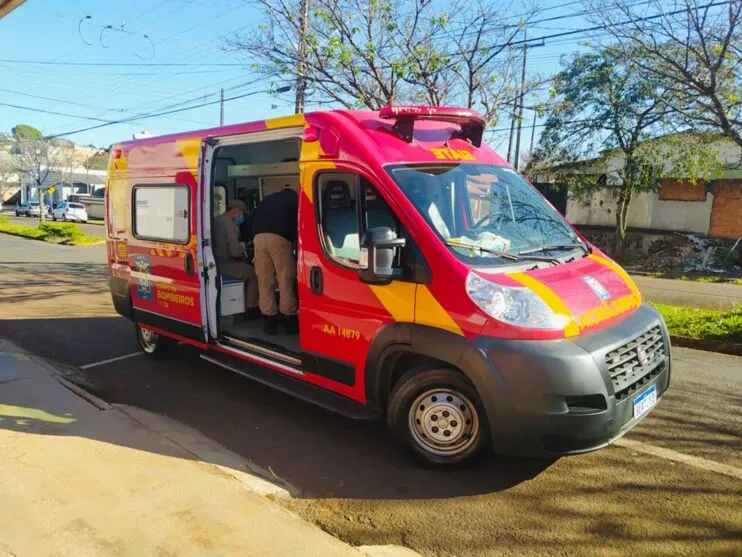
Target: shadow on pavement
[[319, 453], [21, 280]]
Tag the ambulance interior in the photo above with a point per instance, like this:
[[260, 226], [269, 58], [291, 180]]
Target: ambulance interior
[[250, 172]]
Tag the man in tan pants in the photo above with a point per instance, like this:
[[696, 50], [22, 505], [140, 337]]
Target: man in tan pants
[[274, 227], [230, 255]]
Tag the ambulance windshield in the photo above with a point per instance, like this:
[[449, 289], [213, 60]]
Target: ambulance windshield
[[486, 214]]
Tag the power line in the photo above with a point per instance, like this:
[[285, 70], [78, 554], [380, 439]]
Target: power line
[[603, 27], [165, 113], [121, 64]]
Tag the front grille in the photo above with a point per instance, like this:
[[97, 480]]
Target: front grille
[[627, 374]]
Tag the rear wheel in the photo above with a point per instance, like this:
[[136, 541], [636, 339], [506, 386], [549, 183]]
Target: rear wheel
[[153, 344], [438, 416]]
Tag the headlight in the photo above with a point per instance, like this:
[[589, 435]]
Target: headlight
[[515, 305]]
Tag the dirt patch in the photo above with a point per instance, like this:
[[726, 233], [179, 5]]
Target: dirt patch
[[598, 504]]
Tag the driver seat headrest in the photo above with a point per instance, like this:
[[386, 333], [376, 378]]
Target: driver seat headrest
[[337, 195]]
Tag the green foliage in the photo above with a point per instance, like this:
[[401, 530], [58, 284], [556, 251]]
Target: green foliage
[[703, 323], [98, 161], [24, 131], [67, 233], [610, 131]]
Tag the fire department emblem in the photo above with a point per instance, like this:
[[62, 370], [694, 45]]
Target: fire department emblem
[[641, 354], [597, 288], [143, 269]]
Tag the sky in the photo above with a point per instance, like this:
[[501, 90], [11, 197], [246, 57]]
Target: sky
[[61, 70]]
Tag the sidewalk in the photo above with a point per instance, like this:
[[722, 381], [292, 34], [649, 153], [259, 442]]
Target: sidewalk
[[689, 293], [76, 479]]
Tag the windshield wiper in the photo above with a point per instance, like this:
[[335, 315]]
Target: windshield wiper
[[558, 247], [502, 254], [482, 249]]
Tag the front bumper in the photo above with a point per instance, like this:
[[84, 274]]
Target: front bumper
[[548, 398]]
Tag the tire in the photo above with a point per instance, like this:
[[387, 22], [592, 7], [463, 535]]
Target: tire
[[422, 400], [153, 344], [54, 218]]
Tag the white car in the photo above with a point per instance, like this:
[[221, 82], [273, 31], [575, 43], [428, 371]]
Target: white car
[[70, 211], [34, 209]]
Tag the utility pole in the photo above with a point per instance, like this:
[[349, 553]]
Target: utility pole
[[516, 162], [512, 129], [301, 67], [526, 46], [221, 109], [533, 127]]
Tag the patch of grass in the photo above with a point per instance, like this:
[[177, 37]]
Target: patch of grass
[[695, 277], [67, 233], [711, 278], [710, 324]]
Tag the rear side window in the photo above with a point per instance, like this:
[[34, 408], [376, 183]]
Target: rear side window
[[161, 213], [76, 206]]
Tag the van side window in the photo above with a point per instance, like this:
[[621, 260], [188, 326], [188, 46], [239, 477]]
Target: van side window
[[338, 214], [161, 213], [338, 218]]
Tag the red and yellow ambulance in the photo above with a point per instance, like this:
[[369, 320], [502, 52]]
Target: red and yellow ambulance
[[437, 288]]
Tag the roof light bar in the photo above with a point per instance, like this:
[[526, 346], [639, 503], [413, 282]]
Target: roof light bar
[[471, 122]]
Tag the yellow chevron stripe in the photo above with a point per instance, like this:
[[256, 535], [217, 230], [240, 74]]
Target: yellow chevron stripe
[[292, 121], [620, 272], [428, 311], [550, 298], [398, 298], [190, 149]]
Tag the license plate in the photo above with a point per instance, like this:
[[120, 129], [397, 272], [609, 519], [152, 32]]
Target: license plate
[[645, 401]]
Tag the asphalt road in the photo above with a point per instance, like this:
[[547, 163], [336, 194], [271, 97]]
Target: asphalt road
[[672, 489], [90, 229], [690, 293]]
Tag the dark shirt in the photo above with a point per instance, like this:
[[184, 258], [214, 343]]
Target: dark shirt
[[246, 234], [278, 214]]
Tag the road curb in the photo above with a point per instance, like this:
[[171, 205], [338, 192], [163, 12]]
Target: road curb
[[708, 345]]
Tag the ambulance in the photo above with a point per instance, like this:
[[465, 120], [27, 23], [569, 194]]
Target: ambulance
[[438, 290]]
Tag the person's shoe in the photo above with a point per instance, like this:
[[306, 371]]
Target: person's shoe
[[271, 325], [252, 313], [291, 324]]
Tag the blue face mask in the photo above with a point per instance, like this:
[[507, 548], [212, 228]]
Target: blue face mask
[[239, 220]]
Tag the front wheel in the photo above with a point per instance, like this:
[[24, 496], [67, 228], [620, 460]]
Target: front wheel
[[153, 344], [438, 416]]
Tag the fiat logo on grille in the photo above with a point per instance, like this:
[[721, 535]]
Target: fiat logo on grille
[[641, 354]]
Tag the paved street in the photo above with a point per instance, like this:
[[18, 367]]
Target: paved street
[[690, 293], [671, 488], [90, 229]]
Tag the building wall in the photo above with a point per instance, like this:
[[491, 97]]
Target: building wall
[[600, 210], [646, 210], [726, 214], [683, 216], [675, 190]]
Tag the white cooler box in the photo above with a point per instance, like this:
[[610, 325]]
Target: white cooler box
[[233, 297]]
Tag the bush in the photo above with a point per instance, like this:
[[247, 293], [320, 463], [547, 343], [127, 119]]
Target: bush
[[67, 233], [65, 230]]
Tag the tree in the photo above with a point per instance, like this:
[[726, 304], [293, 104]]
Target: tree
[[7, 172], [24, 131], [98, 161], [608, 131], [693, 48], [372, 53], [38, 158]]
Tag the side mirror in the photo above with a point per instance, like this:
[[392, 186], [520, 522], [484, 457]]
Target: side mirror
[[379, 247]]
